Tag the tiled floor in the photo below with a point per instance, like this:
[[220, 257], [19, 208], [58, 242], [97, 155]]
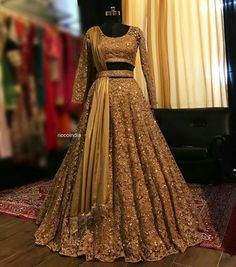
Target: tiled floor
[[17, 249]]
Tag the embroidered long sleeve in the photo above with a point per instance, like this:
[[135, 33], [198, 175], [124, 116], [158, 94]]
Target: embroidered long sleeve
[[147, 70]]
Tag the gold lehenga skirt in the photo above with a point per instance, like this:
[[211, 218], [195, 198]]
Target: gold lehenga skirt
[[149, 211]]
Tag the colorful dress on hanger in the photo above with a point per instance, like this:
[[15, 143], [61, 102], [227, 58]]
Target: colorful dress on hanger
[[39, 68], [5, 137], [71, 48], [118, 192], [51, 117], [24, 127], [25, 34]]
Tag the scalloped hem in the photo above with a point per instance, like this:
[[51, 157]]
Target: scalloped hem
[[90, 258]]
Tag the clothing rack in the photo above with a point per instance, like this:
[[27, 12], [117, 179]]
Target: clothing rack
[[38, 12], [51, 52], [36, 7]]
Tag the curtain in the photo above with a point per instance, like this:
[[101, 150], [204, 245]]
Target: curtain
[[186, 45], [135, 13]]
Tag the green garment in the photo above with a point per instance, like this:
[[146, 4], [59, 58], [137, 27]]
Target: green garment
[[39, 66]]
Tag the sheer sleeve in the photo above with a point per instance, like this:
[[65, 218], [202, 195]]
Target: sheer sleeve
[[83, 75], [147, 70]]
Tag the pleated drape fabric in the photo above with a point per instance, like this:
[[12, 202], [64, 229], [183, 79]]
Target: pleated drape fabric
[[186, 46], [91, 190]]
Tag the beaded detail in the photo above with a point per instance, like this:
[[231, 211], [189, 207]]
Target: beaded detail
[[115, 49], [150, 212]]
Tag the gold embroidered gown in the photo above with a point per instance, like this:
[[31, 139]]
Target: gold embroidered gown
[[118, 192]]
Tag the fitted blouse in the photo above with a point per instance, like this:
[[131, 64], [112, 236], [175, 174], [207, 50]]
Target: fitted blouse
[[114, 49]]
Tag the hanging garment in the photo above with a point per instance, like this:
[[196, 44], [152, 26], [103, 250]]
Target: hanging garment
[[51, 120], [38, 42], [39, 67], [118, 192], [14, 98], [8, 78], [71, 47], [26, 125], [59, 77], [5, 137], [25, 34], [5, 140]]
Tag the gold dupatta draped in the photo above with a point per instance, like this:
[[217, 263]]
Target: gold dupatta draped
[[91, 181]]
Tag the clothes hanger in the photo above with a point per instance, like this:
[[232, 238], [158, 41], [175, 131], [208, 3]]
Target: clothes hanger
[[112, 12]]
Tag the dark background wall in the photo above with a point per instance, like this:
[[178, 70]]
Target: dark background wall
[[92, 12], [230, 42]]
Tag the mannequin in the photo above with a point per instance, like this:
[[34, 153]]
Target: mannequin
[[118, 192], [113, 27]]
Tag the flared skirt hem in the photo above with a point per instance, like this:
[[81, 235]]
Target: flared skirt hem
[[121, 256]]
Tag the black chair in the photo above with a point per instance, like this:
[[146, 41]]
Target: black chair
[[200, 141]]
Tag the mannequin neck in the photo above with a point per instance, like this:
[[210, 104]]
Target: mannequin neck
[[112, 19]]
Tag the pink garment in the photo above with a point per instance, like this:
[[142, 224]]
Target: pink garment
[[51, 52], [72, 48]]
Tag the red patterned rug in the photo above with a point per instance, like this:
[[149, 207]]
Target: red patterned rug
[[216, 203], [24, 201], [217, 206]]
